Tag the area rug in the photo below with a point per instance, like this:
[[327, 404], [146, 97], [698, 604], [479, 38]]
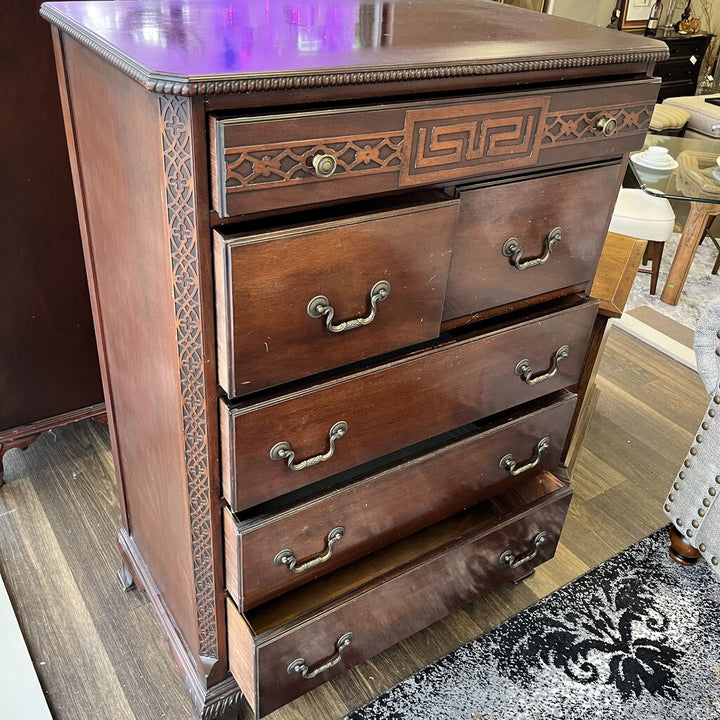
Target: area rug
[[637, 638], [699, 288]]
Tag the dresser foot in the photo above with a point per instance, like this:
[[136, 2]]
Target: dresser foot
[[126, 580], [222, 702], [21, 443]]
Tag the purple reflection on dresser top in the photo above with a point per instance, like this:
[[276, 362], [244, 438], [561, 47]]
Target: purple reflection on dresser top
[[202, 38], [208, 37], [196, 39]]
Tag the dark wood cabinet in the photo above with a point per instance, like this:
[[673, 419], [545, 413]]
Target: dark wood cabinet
[[340, 264], [681, 71], [49, 370]]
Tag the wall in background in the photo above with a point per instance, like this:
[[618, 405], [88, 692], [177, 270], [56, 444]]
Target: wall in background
[[595, 13]]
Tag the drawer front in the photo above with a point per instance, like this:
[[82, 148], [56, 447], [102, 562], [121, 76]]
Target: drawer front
[[678, 70], [391, 608], [354, 152], [383, 275], [396, 405], [687, 47], [388, 505], [522, 239]]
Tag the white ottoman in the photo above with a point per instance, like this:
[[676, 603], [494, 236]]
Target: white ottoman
[[704, 116], [645, 217]]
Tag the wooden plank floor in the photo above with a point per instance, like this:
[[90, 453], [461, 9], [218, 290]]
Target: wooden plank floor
[[100, 653]]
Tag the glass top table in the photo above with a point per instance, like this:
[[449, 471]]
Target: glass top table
[[694, 175], [687, 171]]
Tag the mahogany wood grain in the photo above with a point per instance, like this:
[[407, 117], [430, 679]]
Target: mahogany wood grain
[[384, 149], [48, 360], [387, 505], [458, 569], [136, 328], [387, 408], [269, 338], [482, 276], [138, 106]]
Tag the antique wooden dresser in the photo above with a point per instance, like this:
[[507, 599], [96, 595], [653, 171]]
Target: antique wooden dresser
[[339, 255]]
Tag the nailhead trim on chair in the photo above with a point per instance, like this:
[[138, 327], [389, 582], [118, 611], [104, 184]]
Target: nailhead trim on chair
[[712, 490]]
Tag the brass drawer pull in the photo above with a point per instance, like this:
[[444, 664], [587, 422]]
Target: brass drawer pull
[[320, 306], [324, 165], [300, 666], [607, 126], [514, 251], [508, 462], [524, 370], [284, 451], [287, 557], [508, 557]]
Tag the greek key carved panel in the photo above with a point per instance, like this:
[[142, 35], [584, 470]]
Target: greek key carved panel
[[460, 141]]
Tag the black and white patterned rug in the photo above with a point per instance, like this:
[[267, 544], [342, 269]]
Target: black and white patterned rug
[[637, 638]]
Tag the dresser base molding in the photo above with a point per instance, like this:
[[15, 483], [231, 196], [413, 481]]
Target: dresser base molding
[[213, 691], [25, 435]]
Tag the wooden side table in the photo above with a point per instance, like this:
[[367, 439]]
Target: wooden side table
[[614, 278]]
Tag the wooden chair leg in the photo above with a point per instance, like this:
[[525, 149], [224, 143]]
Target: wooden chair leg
[[656, 252], [680, 550], [646, 255]]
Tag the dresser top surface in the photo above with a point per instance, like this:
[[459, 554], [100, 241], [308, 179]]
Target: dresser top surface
[[201, 40]]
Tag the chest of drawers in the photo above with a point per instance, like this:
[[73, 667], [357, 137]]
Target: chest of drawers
[[339, 256], [680, 73]]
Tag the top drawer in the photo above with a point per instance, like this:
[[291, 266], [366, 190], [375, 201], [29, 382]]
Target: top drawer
[[287, 160]]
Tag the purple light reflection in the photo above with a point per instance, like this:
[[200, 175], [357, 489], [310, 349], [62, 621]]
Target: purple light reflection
[[249, 36]]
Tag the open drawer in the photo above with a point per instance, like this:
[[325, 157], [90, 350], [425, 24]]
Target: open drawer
[[280, 443], [285, 547], [286, 647]]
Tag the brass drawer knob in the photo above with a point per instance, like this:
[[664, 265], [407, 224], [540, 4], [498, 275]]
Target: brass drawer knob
[[508, 557], [287, 557], [508, 462], [524, 369], [607, 126], [320, 306], [300, 666], [283, 450], [324, 165], [512, 249]]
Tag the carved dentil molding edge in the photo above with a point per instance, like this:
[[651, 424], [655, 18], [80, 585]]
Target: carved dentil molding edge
[[177, 85]]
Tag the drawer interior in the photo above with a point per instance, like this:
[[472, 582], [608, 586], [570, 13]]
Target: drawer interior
[[393, 559], [286, 647], [331, 524]]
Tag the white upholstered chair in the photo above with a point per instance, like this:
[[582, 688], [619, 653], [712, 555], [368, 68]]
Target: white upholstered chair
[[645, 217], [692, 503]]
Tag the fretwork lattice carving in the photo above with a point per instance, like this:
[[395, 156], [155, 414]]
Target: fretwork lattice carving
[[180, 200]]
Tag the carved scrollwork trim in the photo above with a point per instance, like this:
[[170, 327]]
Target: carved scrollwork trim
[[177, 85], [182, 225]]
